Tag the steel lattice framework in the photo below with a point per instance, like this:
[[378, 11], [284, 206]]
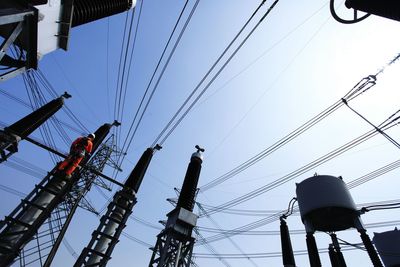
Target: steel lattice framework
[[42, 249]]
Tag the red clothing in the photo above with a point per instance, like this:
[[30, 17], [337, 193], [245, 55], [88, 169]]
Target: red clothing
[[79, 148], [82, 144]]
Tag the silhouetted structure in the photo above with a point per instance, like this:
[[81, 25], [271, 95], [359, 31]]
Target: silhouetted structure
[[174, 244]]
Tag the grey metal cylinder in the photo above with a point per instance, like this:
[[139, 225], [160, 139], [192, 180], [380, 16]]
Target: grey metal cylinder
[[326, 203]]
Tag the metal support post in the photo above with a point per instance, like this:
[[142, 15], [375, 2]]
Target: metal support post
[[376, 261], [338, 252], [312, 251], [287, 250], [333, 256]]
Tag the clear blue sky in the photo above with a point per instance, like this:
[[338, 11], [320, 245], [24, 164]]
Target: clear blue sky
[[297, 63]]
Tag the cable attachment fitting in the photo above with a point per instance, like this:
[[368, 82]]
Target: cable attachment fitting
[[116, 123], [66, 95], [157, 147], [199, 149], [363, 210], [289, 209]]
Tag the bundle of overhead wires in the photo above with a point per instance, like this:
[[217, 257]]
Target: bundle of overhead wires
[[361, 87]]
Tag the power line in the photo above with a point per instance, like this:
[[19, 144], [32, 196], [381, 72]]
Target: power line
[[274, 217], [120, 110], [228, 237], [177, 41], [361, 87], [175, 125], [263, 254]]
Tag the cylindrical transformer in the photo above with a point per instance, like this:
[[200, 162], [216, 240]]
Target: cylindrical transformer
[[326, 203], [387, 244], [89, 10], [385, 8]]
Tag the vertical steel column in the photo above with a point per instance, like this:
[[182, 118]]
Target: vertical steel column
[[312, 251], [333, 256], [376, 261], [339, 254], [287, 250]]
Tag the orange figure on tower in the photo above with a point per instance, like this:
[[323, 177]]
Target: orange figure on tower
[[78, 150]]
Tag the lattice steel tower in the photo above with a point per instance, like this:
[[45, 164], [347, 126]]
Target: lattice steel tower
[[24, 222]]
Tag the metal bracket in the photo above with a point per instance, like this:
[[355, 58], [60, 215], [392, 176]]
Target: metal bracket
[[18, 26]]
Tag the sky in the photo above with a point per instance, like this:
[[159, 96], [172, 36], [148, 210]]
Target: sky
[[297, 62]]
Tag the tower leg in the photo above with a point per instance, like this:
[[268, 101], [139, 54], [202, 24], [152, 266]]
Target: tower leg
[[338, 252], [333, 256], [376, 261], [312, 251], [287, 250]]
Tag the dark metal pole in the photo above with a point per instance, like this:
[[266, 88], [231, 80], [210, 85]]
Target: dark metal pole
[[333, 256], [338, 252], [287, 250], [312, 251], [376, 261]]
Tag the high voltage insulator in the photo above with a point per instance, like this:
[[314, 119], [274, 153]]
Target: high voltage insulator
[[174, 244], [89, 10], [11, 135], [35, 36], [188, 193], [326, 205], [98, 252], [21, 225], [385, 8], [287, 250]]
